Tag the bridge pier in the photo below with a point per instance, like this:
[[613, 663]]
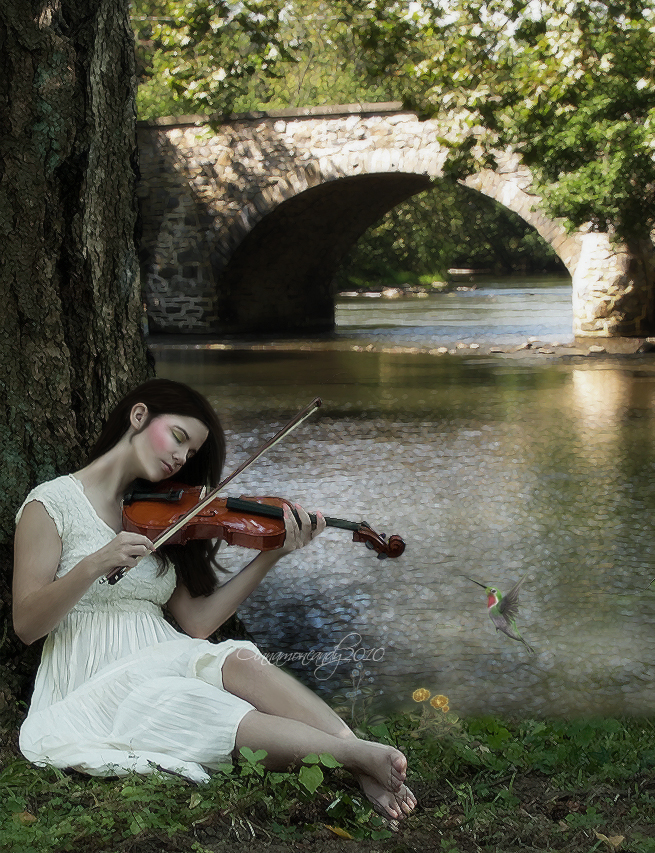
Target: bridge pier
[[613, 288]]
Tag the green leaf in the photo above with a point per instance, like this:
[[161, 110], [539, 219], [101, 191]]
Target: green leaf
[[328, 760], [311, 777], [380, 731], [253, 757], [137, 825]]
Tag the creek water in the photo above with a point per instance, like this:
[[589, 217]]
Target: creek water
[[498, 310], [488, 467]]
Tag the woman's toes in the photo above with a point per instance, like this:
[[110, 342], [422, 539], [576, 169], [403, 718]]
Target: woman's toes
[[384, 802], [406, 800]]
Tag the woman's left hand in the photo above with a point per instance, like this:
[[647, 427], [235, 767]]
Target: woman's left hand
[[300, 534]]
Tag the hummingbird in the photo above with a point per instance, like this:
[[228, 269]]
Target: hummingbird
[[502, 610]]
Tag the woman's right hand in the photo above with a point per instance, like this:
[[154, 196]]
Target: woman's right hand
[[124, 551]]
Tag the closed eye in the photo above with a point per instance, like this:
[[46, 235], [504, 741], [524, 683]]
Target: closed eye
[[180, 435]]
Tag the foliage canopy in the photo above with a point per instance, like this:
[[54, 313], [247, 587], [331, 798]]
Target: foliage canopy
[[216, 58], [569, 84]]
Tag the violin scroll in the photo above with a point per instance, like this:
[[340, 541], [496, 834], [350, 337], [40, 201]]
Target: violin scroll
[[394, 546]]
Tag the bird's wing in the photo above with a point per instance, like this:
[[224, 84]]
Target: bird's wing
[[499, 621], [509, 604]]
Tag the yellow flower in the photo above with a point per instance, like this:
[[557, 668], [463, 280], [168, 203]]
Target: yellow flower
[[421, 694], [446, 708], [439, 701]]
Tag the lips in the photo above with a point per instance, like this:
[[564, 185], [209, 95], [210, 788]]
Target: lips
[[167, 468]]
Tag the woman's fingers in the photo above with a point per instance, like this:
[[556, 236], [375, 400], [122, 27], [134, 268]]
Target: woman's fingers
[[319, 525], [125, 549], [133, 546], [301, 528]]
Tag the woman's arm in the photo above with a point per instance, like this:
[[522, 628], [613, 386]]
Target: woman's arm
[[202, 615], [40, 599]]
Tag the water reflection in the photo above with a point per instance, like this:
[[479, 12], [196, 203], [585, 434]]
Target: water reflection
[[487, 467], [601, 397]]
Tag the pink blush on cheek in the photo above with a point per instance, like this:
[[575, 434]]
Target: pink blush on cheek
[[159, 435]]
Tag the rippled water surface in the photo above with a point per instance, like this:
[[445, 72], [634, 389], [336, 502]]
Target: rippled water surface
[[487, 467]]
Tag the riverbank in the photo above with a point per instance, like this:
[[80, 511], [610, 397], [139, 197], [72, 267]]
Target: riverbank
[[531, 348], [484, 785]]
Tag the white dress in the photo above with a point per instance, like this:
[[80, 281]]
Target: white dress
[[118, 688]]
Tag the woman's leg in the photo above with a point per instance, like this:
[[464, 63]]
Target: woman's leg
[[291, 722], [273, 691], [375, 766]]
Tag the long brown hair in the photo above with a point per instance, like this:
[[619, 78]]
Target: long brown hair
[[194, 562]]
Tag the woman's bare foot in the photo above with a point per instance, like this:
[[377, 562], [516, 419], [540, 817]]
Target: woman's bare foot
[[384, 764], [393, 806]]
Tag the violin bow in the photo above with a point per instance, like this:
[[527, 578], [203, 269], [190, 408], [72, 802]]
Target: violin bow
[[165, 535]]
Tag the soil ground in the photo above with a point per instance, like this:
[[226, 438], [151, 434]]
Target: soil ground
[[544, 819]]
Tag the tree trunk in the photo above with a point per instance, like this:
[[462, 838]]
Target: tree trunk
[[71, 303]]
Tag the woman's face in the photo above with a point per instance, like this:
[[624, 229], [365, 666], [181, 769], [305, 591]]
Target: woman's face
[[166, 443]]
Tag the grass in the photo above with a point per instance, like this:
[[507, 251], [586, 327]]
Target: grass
[[483, 785]]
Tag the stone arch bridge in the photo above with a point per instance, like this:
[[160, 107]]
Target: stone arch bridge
[[244, 226]]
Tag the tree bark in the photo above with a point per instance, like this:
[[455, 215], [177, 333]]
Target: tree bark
[[71, 304]]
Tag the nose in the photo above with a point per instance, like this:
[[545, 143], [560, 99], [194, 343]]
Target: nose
[[180, 458]]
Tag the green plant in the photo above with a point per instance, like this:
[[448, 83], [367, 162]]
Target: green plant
[[494, 780]]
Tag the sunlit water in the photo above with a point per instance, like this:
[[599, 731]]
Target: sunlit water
[[504, 311], [487, 467]]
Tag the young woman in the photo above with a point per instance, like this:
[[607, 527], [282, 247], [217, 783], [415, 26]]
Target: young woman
[[118, 688]]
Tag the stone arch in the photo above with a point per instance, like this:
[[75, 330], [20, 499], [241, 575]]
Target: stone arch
[[296, 248], [336, 167], [288, 235], [207, 193], [511, 189]]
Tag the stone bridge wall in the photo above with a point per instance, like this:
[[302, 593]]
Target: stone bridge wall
[[245, 225]]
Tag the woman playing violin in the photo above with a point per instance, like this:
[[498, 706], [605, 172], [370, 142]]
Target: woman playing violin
[[118, 688]]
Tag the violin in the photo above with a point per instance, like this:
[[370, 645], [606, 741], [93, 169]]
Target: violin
[[253, 522], [239, 521]]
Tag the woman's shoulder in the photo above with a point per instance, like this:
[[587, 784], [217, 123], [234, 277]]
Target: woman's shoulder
[[53, 494], [59, 485]]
